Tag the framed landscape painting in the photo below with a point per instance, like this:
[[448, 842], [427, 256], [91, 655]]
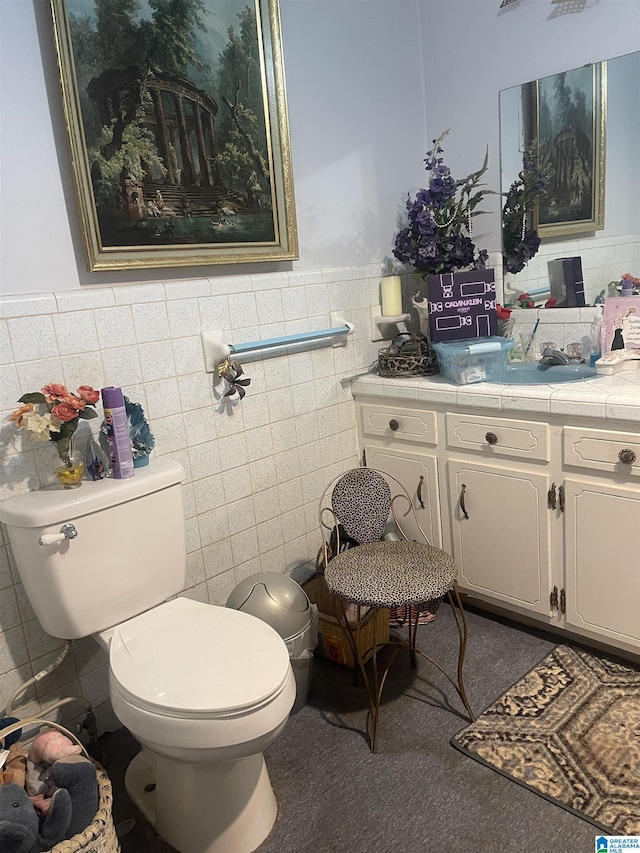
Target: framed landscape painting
[[570, 125], [177, 122]]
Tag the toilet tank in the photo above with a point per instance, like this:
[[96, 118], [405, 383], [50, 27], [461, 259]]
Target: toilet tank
[[129, 553]]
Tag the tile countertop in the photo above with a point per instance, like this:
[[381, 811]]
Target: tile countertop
[[614, 397]]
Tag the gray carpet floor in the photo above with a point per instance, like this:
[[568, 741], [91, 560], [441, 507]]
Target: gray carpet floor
[[417, 792]]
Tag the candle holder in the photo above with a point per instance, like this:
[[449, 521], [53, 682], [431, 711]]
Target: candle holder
[[386, 328]]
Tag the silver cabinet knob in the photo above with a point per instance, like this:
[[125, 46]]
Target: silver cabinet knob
[[394, 425], [491, 438], [627, 457]]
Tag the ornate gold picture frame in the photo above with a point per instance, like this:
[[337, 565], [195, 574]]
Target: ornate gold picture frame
[[570, 133], [177, 122]]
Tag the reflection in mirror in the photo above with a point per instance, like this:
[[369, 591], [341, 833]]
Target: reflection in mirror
[[592, 112]]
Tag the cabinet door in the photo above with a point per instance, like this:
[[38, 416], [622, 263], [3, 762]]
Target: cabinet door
[[500, 532], [602, 553], [418, 474]]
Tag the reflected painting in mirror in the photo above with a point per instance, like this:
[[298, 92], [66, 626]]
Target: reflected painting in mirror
[[586, 124]]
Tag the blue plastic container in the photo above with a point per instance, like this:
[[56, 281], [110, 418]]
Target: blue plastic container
[[473, 359]]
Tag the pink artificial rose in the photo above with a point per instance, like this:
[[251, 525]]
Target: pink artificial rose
[[75, 402], [89, 394], [53, 391], [64, 412]]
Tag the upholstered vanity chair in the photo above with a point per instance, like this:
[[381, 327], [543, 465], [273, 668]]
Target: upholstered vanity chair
[[384, 574]]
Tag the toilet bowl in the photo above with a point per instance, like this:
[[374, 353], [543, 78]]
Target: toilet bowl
[[204, 717], [205, 689]]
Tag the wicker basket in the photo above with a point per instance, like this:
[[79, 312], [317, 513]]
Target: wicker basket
[[407, 355], [100, 836], [333, 641]]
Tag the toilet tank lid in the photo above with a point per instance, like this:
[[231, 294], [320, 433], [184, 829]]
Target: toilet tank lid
[[55, 505]]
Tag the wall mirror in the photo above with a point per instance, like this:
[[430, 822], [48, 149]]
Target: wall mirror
[[603, 228]]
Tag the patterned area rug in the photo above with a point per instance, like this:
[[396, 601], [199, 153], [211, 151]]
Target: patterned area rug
[[569, 731]]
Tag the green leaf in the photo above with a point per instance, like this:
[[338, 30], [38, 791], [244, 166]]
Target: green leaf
[[34, 397], [87, 414], [67, 429]]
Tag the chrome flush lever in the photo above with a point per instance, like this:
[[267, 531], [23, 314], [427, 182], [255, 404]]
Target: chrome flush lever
[[67, 531]]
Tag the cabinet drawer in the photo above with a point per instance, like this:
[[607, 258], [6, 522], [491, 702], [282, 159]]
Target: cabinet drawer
[[398, 424], [606, 450], [499, 436]]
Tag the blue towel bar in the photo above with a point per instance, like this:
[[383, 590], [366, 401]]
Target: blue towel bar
[[284, 340]]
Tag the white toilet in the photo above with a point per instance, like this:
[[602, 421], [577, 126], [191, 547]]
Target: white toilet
[[204, 689]]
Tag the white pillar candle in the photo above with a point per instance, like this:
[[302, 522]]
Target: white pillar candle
[[391, 287]]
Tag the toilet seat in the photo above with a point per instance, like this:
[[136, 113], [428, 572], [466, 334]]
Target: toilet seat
[[195, 661]]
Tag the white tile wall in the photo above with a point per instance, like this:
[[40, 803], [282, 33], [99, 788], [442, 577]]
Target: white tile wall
[[254, 468], [596, 263], [561, 326]]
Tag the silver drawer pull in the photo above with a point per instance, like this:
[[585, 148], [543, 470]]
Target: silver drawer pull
[[491, 438], [627, 457], [394, 425]]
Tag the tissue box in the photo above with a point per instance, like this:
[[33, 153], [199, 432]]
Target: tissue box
[[566, 282], [462, 305], [473, 360]]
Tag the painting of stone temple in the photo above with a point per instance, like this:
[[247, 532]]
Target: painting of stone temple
[[172, 99]]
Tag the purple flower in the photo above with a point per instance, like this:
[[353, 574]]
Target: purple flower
[[437, 238], [520, 241]]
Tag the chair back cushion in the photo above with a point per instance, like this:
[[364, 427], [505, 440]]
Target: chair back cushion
[[361, 501]]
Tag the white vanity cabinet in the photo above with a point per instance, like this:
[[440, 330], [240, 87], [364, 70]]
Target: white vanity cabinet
[[541, 513]]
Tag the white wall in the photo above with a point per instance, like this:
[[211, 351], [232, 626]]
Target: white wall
[[357, 129], [473, 49], [361, 77], [359, 86]]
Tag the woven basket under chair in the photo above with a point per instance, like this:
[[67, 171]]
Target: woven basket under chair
[[100, 835], [407, 355]]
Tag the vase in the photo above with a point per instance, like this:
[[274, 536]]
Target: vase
[[69, 466]]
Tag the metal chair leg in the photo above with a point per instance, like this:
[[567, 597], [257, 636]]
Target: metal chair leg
[[458, 612], [374, 685], [413, 633]]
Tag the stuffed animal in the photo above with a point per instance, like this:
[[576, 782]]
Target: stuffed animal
[[14, 737], [18, 820], [20, 829], [15, 768], [68, 811], [50, 745], [77, 775]]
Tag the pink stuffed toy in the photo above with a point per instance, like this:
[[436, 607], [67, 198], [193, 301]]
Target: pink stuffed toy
[[51, 745]]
